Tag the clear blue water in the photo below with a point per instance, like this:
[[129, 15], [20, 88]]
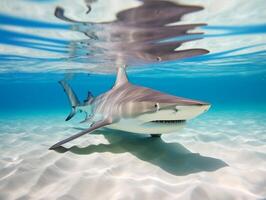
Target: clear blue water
[[37, 50], [41, 92]]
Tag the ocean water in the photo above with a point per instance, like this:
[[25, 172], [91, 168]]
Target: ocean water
[[218, 155]]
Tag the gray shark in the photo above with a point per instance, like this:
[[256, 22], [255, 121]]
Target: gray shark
[[132, 108]]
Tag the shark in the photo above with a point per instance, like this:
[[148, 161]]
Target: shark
[[132, 108]]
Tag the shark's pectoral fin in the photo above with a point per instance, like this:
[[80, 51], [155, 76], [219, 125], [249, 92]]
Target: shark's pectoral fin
[[95, 126]]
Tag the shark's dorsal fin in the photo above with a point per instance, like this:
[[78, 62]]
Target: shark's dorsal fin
[[121, 76]]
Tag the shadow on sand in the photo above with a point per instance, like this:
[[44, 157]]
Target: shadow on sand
[[171, 157]]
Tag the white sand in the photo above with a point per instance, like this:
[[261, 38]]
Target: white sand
[[218, 156]]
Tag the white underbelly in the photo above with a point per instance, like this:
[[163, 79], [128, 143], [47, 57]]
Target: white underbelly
[[136, 126]]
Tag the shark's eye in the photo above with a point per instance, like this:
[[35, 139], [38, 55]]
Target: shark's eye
[[158, 58], [157, 106]]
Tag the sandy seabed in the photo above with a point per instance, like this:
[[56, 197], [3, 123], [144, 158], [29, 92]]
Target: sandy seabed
[[218, 156]]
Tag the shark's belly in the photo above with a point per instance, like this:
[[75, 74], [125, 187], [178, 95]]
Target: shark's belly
[[135, 126]]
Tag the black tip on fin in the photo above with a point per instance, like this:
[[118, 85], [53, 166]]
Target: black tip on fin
[[71, 114], [68, 118], [54, 147]]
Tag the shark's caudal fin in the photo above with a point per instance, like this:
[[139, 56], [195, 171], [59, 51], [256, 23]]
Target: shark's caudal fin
[[72, 97], [92, 128]]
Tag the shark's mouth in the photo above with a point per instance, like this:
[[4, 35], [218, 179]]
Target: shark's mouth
[[168, 121]]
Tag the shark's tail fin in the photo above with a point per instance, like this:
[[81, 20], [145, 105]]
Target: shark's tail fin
[[72, 97]]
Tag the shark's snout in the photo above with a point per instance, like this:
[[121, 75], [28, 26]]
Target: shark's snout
[[203, 105], [190, 111], [206, 107]]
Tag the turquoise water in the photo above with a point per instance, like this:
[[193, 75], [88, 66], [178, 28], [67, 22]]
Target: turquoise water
[[219, 154], [41, 92]]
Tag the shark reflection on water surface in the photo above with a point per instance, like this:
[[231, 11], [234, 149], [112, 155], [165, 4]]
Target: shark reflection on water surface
[[138, 35]]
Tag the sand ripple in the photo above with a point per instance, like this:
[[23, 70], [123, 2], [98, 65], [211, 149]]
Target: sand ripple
[[205, 161]]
